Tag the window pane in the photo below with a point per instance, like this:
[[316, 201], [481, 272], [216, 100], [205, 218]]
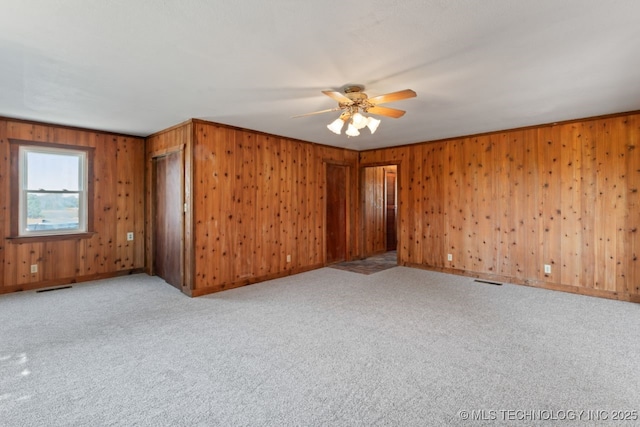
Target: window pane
[[53, 211], [53, 172]]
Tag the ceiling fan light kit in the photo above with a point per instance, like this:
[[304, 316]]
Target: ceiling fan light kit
[[373, 124], [359, 121], [336, 126], [352, 130], [354, 102]]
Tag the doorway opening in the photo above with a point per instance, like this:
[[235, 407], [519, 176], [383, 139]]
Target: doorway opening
[[379, 193], [168, 217]]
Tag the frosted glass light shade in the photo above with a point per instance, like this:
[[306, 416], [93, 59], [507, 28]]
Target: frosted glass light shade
[[373, 124], [359, 121], [352, 131], [336, 126]]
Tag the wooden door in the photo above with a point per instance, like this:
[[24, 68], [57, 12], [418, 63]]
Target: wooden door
[[391, 209], [336, 214], [168, 226]]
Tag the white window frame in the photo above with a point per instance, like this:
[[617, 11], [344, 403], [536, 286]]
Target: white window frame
[[83, 177]]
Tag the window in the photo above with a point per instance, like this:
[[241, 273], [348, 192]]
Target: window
[[52, 190]]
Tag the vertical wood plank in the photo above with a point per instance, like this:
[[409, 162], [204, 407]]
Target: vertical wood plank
[[588, 188], [125, 204], [488, 207], [632, 249], [618, 172], [137, 198], [549, 202], [5, 191], [570, 204], [228, 198], [245, 205], [415, 185], [264, 205]]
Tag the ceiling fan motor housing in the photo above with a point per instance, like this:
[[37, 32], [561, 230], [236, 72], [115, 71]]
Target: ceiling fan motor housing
[[357, 97]]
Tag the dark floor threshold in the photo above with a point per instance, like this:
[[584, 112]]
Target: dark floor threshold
[[54, 289], [488, 283]]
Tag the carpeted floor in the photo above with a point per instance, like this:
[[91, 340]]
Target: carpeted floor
[[373, 264], [324, 348]]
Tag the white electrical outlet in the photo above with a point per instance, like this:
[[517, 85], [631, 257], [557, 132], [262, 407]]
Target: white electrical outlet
[[288, 258], [547, 269], [130, 236], [34, 268], [449, 257]]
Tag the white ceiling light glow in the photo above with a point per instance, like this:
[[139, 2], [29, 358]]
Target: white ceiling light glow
[[358, 121], [336, 126], [373, 124], [352, 130]]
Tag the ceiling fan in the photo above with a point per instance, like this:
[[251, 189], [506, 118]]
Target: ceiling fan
[[354, 102]]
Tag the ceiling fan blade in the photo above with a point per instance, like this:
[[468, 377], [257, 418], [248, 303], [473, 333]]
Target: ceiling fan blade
[[394, 96], [386, 111], [337, 96], [317, 112]]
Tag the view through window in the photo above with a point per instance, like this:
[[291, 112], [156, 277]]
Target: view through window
[[53, 191]]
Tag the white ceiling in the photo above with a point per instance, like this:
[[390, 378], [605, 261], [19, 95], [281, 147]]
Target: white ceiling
[[140, 66]]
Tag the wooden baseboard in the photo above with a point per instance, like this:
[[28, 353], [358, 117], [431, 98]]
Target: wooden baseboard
[[600, 293], [205, 290], [66, 281]]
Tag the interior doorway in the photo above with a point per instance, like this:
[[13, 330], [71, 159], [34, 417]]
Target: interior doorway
[[379, 209], [336, 213], [391, 205], [168, 217]]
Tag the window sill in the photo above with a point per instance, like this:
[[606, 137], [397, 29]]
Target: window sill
[[49, 238]]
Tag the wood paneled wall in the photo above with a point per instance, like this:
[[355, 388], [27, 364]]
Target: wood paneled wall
[[118, 208], [504, 204], [258, 198], [252, 199]]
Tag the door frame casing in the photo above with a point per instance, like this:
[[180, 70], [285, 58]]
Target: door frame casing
[[361, 195], [385, 172]]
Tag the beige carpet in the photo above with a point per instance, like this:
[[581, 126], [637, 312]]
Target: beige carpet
[[400, 347]]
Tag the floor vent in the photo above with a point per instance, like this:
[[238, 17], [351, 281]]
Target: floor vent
[[53, 289], [488, 283]]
